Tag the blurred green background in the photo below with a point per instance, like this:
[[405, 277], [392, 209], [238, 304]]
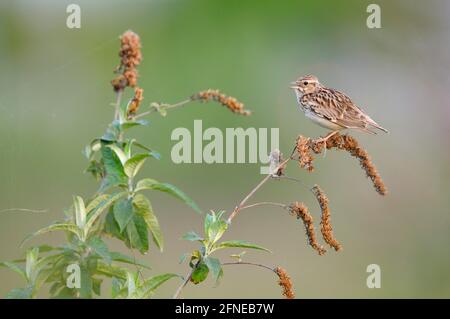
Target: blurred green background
[[55, 97]]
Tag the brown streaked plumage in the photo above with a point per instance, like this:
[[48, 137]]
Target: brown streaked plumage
[[330, 108]]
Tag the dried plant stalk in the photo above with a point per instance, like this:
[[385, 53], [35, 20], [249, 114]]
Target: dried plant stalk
[[285, 283], [301, 212], [305, 146], [130, 57], [351, 145], [325, 223], [305, 159], [228, 101]]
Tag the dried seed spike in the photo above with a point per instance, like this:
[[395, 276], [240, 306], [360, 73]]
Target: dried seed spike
[[284, 281], [228, 101], [301, 212], [305, 159], [351, 145], [130, 57], [325, 223]]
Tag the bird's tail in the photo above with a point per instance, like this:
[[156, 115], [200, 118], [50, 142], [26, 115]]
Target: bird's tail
[[376, 125]]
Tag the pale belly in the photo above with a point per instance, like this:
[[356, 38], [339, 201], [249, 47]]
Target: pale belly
[[323, 122]]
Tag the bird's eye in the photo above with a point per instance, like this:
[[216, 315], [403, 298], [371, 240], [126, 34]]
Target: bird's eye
[[305, 83]]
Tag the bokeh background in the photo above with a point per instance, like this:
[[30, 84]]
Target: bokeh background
[[55, 97]]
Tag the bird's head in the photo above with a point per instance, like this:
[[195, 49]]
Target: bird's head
[[306, 84]]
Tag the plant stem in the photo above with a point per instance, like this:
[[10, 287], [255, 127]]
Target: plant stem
[[249, 263], [167, 107], [254, 190], [117, 104], [265, 203], [183, 284]]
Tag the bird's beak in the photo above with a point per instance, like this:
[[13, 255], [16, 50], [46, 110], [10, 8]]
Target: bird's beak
[[294, 85]]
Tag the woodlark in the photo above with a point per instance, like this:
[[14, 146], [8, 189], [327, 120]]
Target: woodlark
[[330, 108]]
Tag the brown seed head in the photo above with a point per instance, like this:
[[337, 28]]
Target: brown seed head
[[325, 223], [130, 57], [301, 212], [228, 101], [285, 283], [305, 159], [351, 145]]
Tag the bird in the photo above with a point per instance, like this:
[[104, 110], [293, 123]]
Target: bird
[[330, 108]]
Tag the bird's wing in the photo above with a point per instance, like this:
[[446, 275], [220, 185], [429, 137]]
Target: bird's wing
[[339, 108]]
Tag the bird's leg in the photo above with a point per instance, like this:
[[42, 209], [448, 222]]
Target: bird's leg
[[324, 141]]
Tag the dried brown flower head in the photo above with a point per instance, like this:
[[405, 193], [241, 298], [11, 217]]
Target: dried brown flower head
[[325, 223], [351, 145], [285, 283], [130, 58], [304, 147], [305, 159], [133, 106], [301, 212], [228, 101]]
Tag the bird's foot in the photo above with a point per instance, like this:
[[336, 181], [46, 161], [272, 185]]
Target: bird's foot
[[324, 141]]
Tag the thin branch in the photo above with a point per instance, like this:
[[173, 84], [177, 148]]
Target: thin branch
[[26, 210], [255, 189], [184, 283], [297, 181], [117, 104], [265, 203], [249, 263], [166, 106]]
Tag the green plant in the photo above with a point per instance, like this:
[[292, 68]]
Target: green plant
[[119, 209]]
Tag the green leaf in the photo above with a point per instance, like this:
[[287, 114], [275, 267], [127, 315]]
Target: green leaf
[[96, 286], [152, 283], [111, 271], [215, 229], [111, 226], [14, 267], [115, 174], [132, 280], [137, 234], [32, 256], [130, 124], [152, 184], [192, 236], [90, 149], [200, 273], [115, 256], [239, 244], [214, 267], [66, 293], [96, 202], [119, 153], [100, 248], [116, 286], [20, 293], [85, 283], [100, 208], [144, 209], [68, 227], [80, 212], [123, 212], [134, 164]]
